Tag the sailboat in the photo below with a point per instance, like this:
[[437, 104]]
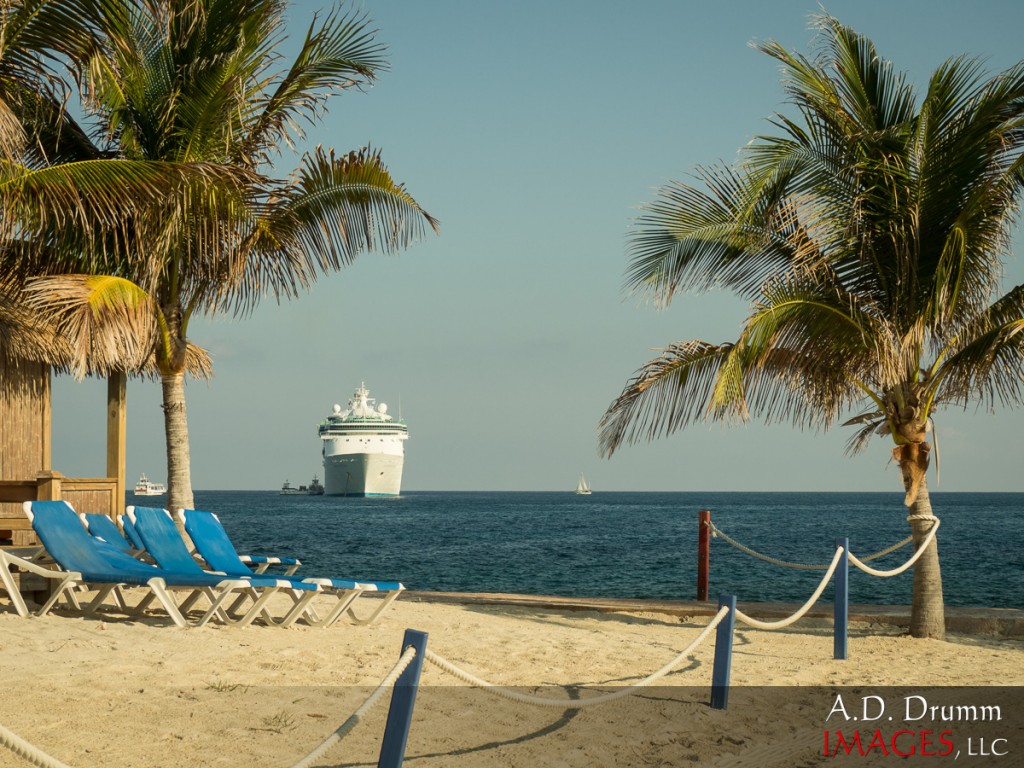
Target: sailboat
[[582, 489]]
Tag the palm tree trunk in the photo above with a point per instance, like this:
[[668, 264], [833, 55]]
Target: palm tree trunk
[[927, 612], [179, 472]]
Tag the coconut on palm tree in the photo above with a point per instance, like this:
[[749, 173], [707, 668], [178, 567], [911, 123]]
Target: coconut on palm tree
[[185, 100], [868, 234]]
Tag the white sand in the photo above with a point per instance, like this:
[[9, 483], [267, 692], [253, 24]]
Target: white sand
[[118, 692]]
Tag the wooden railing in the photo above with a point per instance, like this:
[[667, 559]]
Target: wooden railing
[[85, 494]]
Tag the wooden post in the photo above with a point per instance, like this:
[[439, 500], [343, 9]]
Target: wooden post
[[403, 697], [722, 667], [48, 485], [703, 553], [46, 421], [842, 602], [117, 441]]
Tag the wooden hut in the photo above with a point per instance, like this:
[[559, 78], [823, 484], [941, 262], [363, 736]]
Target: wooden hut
[[27, 354]]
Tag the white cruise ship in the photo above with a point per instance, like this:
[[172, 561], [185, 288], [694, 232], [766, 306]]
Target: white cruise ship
[[363, 449]]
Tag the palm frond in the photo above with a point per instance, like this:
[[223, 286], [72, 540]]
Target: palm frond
[[333, 209], [105, 214], [733, 235], [104, 323], [338, 54], [24, 334], [987, 361], [108, 321], [665, 395]]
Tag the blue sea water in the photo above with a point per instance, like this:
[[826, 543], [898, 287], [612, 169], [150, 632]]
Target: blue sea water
[[632, 545]]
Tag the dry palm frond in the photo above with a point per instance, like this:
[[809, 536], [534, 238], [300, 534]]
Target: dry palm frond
[[24, 335], [108, 321]]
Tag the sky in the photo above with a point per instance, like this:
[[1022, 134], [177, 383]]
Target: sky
[[534, 130]]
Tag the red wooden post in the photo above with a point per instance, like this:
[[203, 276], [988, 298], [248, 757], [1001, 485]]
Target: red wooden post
[[703, 554]]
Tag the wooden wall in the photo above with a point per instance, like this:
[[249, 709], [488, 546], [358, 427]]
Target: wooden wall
[[24, 419], [25, 454], [24, 441]]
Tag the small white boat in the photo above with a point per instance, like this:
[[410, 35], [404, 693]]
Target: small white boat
[[145, 487], [582, 488], [290, 490]]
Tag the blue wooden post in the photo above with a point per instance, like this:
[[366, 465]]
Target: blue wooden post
[[403, 697], [723, 654], [842, 601]]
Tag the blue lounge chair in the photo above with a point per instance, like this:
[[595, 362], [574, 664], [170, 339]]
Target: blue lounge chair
[[214, 545], [88, 560], [130, 533], [157, 531], [156, 527], [105, 528], [258, 564]]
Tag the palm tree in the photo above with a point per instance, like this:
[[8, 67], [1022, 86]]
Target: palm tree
[[185, 99], [868, 236], [49, 217]]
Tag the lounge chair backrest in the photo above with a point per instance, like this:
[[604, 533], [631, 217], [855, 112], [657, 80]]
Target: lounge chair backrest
[[162, 540], [212, 541], [130, 533], [72, 547], [106, 529]]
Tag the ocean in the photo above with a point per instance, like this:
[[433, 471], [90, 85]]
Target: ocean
[[631, 545]]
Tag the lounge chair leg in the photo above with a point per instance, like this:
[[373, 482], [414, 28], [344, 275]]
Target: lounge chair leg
[[258, 608], [188, 602], [11, 588], [159, 588], [303, 606], [66, 586], [345, 600], [235, 609], [119, 600], [101, 595], [380, 609], [144, 603]]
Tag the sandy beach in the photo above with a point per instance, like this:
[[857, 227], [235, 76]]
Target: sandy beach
[[127, 692]]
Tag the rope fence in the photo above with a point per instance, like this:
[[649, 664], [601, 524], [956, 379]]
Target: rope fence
[[920, 551], [717, 532], [838, 569], [771, 625], [543, 701]]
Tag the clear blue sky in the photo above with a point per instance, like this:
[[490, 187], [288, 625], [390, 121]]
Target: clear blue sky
[[533, 130]]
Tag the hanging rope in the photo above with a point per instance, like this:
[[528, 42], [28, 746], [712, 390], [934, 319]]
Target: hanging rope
[[542, 701], [888, 550], [404, 661], [920, 551], [802, 610], [718, 532]]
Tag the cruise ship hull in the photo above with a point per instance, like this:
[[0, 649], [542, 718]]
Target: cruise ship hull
[[363, 474]]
